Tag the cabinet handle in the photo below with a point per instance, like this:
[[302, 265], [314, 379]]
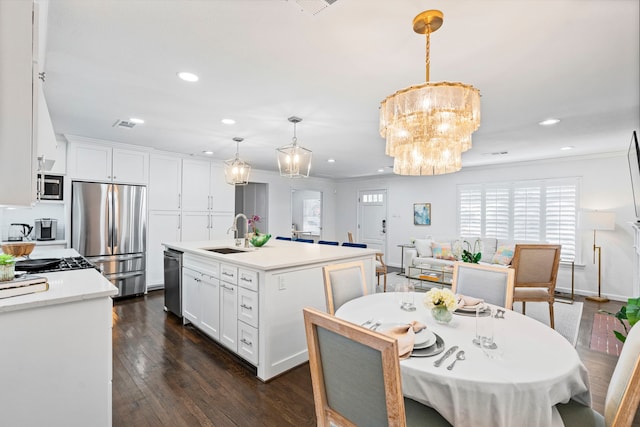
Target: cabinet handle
[[244, 279], [227, 287], [247, 307], [179, 221], [244, 341], [179, 200], [224, 273]]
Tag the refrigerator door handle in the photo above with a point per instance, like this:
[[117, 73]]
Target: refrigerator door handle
[[110, 217]]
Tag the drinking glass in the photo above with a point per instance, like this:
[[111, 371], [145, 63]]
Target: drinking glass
[[484, 327], [407, 302]]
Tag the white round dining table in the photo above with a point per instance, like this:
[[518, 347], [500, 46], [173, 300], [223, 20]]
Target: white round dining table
[[533, 369]]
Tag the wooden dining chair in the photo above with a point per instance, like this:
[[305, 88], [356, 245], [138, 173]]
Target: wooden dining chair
[[355, 245], [623, 394], [355, 375], [350, 236], [381, 269], [493, 284], [343, 282], [536, 267]]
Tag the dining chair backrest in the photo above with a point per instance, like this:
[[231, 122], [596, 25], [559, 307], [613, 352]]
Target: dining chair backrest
[[355, 373], [493, 284], [283, 238], [304, 240], [350, 236], [623, 394], [536, 270], [343, 282], [327, 242], [355, 376], [354, 245]]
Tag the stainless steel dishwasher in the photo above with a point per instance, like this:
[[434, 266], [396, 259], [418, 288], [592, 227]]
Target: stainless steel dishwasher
[[173, 282]]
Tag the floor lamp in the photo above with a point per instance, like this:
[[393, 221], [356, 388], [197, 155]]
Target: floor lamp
[[598, 220]]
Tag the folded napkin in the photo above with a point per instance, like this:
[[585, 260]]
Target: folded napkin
[[406, 336], [467, 301]]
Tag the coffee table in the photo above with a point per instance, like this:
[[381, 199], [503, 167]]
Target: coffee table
[[437, 274]]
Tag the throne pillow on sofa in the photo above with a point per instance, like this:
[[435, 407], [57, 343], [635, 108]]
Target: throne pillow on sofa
[[503, 255], [442, 251], [423, 247]]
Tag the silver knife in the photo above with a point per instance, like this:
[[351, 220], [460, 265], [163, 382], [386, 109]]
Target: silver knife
[[447, 354]]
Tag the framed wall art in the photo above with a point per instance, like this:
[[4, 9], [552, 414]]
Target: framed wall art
[[422, 213]]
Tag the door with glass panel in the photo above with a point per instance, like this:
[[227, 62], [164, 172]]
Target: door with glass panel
[[372, 219]]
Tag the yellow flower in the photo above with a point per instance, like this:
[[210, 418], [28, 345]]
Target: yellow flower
[[440, 297]]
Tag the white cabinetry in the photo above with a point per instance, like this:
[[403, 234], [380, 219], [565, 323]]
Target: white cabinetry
[[166, 228], [165, 178], [201, 294], [104, 163], [229, 306], [57, 364], [18, 102], [206, 194], [191, 307]]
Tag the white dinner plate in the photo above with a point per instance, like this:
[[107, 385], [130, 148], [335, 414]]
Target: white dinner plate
[[424, 338], [472, 307]]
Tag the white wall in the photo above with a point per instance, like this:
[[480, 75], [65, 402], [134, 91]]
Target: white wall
[[606, 185]]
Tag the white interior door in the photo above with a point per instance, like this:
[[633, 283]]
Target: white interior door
[[372, 219]]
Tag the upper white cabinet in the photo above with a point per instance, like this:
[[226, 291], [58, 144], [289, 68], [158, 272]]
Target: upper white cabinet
[[165, 178], [97, 162], [195, 185], [18, 102], [223, 195]]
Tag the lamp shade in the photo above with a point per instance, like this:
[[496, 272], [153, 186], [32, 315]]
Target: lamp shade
[[597, 220]]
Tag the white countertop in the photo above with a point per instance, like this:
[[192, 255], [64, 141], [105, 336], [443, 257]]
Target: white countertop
[[64, 286], [274, 255]]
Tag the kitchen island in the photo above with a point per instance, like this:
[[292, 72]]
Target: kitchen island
[[251, 301], [56, 357]]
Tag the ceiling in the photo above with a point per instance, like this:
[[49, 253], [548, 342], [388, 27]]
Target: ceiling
[[262, 61]]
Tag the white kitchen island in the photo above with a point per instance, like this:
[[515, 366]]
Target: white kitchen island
[[251, 302], [56, 351]]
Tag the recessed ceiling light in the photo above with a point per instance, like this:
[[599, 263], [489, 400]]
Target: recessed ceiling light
[[188, 77], [549, 122], [568, 147], [331, 160], [228, 121], [136, 121], [208, 152]]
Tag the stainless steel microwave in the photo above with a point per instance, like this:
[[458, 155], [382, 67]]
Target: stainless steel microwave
[[52, 187]]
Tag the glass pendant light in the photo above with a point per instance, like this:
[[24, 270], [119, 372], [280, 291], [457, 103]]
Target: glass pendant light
[[236, 171], [294, 161]]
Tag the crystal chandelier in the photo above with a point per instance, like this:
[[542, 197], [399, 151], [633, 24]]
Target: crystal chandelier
[[236, 171], [294, 161], [427, 127]]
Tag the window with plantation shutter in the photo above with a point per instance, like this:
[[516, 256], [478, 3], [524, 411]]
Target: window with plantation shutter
[[523, 211]]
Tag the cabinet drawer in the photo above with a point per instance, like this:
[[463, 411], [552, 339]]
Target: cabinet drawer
[[229, 273], [248, 306], [248, 279], [248, 342]]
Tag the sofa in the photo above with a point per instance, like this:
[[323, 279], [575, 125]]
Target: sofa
[[446, 251]]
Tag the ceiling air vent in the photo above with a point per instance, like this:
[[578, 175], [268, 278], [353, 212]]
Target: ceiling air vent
[[124, 124], [314, 6]]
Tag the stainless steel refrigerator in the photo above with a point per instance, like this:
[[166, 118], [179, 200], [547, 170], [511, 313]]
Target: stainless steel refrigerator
[[108, 227]]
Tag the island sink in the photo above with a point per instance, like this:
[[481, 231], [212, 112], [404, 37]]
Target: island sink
[[225, 251]]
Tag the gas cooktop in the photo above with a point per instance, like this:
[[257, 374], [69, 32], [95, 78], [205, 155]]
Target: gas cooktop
[[49, 265]]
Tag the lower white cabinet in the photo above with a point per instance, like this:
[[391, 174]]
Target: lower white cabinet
[[210, 298], [222, 301], [229, 315], [191, 307], [164, 226]]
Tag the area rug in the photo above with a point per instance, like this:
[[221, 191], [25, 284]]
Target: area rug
[[567, 317], [602, 336]]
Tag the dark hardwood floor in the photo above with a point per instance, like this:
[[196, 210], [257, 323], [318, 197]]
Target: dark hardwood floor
[[165, 374]]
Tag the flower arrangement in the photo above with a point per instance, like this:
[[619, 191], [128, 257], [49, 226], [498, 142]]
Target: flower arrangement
[[463, 251], [252, 223], [436, 297]]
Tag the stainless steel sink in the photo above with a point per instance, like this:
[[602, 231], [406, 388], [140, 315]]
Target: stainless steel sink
[[224, 251]]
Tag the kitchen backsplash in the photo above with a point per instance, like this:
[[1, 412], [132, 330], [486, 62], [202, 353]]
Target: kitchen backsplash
[[29, 215]]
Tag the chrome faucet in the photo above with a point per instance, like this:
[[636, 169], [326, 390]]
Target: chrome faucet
[[234, 227]]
